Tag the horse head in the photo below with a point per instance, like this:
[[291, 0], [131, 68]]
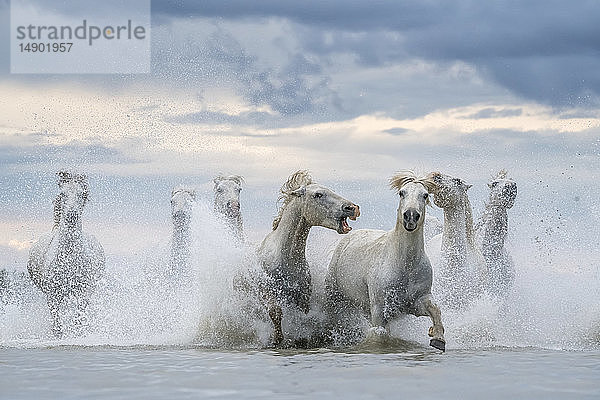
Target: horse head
[[74, 192], [449, 191], [414, 196], [503, 191], [227, 195], [182, 198], [319, 205]]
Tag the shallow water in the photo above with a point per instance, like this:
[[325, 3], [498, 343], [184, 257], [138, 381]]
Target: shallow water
[[195, 337], [72, 372]]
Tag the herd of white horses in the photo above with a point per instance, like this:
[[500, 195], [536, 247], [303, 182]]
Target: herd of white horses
[[382, 273]]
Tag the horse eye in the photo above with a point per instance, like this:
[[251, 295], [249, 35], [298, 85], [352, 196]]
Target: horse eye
[[426, 195], [401, 193], [494, 184], [220, 190], [318, 195]]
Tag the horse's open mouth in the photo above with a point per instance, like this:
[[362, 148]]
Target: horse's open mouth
[[344, 227], [352, 212]]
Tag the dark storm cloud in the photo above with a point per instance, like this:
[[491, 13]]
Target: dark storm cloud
[[542, 50], [340, 14], [294, 87]]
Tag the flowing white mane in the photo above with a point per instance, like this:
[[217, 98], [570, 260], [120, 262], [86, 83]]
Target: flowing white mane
[[403, 177], [236, 178], [296, 181], [184, 189], [502, 174]]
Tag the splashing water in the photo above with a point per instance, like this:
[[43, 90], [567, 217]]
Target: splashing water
[[552, 305]]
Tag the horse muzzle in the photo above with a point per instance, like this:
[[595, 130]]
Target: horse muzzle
[[411, 219], [232, 209], [351, 211]]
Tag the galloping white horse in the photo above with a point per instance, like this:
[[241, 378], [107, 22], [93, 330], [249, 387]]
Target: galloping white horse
[[227, 202], [67, 262], [182, 199], [386, 274], [460, 268], [491, 231], [282, 252]]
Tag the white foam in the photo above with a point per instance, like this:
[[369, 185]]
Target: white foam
[[554, 303]]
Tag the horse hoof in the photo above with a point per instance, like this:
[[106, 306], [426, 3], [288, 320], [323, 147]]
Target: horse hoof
[[438, 344]]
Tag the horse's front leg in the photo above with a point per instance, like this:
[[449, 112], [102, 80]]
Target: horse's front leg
[[379, 323], [276, 316], [426, 307], [82, 306], [56, 327]]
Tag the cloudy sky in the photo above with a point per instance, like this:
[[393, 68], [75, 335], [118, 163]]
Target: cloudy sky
[[351, 90]]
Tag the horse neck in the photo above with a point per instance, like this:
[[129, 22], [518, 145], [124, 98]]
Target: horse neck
[[70, 236], [495, 225], [180, 245], [181, 232], [455, 226], [236, 224], [292, 233]]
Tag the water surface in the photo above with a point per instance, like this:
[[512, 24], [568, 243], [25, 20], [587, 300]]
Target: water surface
[[74, 372]]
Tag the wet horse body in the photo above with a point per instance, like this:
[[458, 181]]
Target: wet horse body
[[492, 229], [282, 252], [182, 200], [67, 262], [461, 272], [386, 274]]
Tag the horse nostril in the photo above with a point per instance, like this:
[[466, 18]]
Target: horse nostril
[[411, 215], [349, 208]]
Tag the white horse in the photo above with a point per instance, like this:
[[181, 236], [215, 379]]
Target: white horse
[[67, 262], [227, 202], [460, 268], [386, 274], [491, 231], [282, 252], [182, 199]]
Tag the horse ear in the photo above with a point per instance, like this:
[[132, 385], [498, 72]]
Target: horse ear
[[238, 179], [301, 191], [469, 186]]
